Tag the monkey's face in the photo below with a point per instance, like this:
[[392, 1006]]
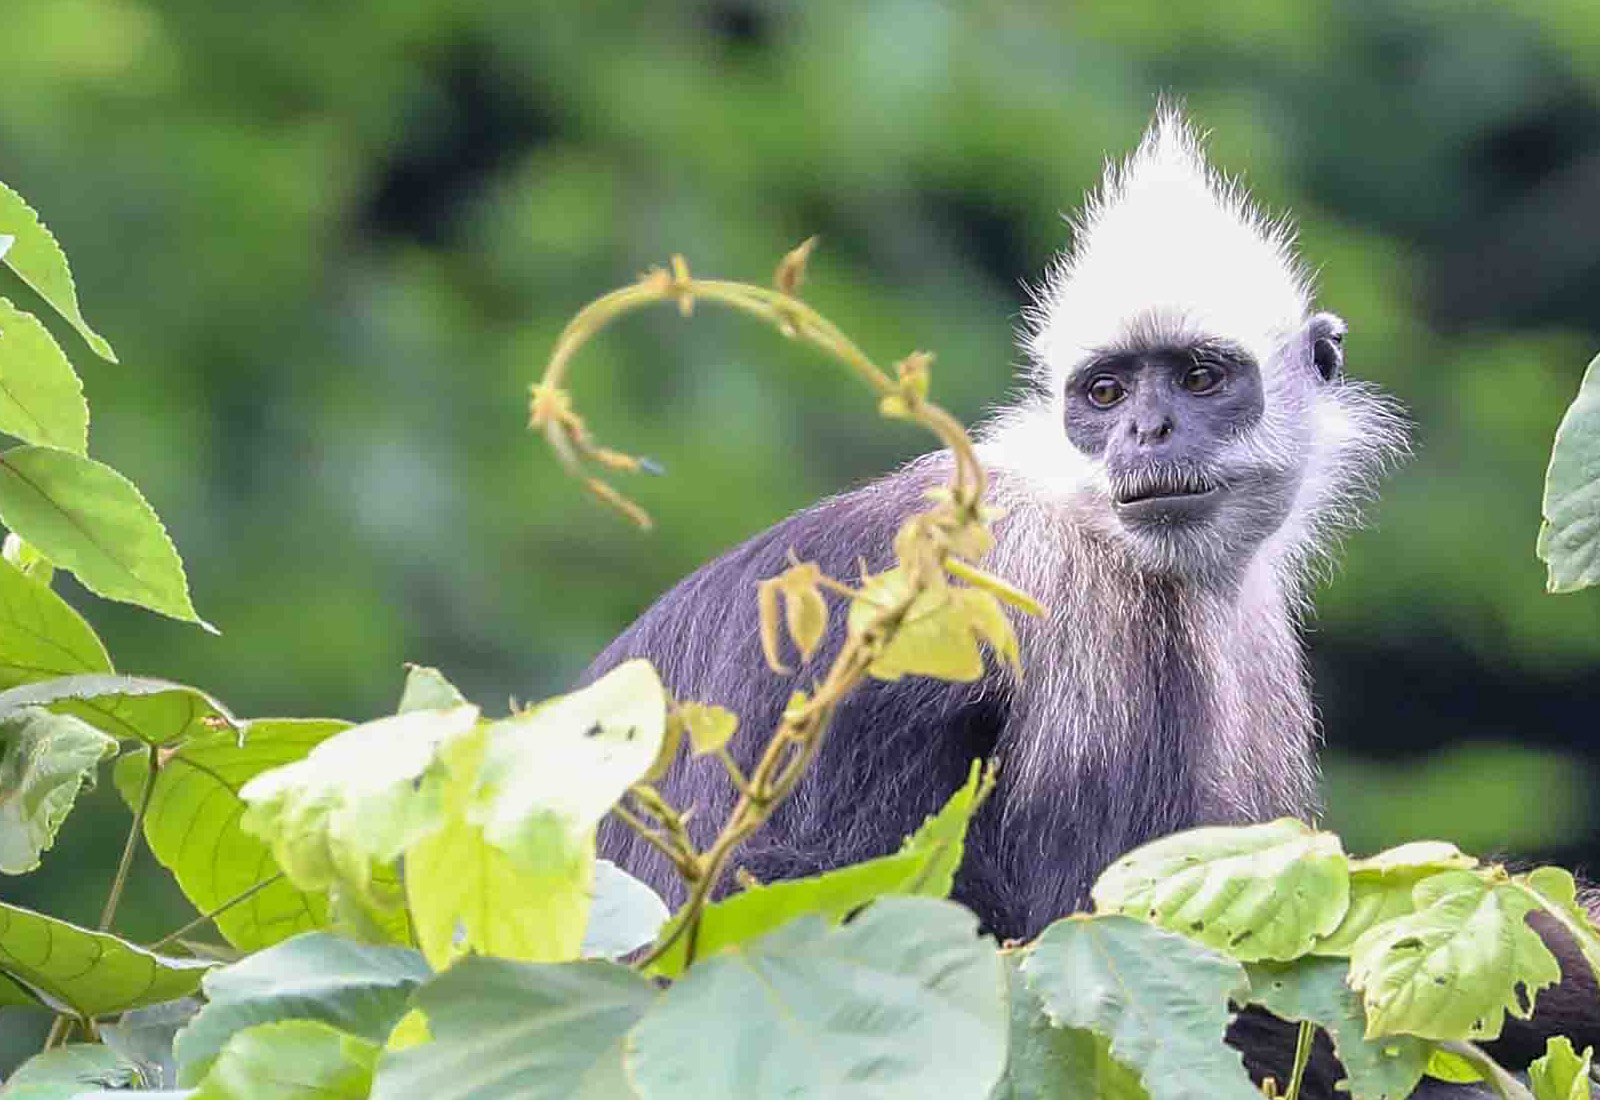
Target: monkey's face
[[1196, 474]]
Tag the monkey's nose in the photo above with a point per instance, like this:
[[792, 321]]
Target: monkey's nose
[[1148, 433]]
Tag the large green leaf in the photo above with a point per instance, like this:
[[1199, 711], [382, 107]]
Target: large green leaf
[[355, 803], [467, 895], [41, 397], [1569, 538], [1161, 998], [292, 1060], [38, 259], [1047, 1062], [157, 712], [69, 1072], [1256, 892], [904, 1000], [925, 865], [356, 987], [45, 759], [86, 517], [1450, 970], [549, 775], [522, 1031], [41, 636], [1315, 989], [626, 913], [89, 973], [1381, 888], [192, 826]]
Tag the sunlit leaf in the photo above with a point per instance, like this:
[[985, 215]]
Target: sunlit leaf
[[41, 636], [157, 712], [1256, 892], [358, 988], [45, 759], [1162, 1000], [192, 826], [427, 689], [89, 973], [805, 612], [626, 913], [1561, 1074], [38, 259], [709, 727], [1450, 969], [1569, 538], [904, 1000], [292, 1060], [354, 804], [521, 1031], [467, 895], [1315, 989], [925, 866], [1381, 888], [86, 517], [41, 397], [1557, 893]]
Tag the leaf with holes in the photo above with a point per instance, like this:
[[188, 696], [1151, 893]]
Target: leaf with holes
[[1381, 888], [192, 826], [45, 760], [1569, 537], [521, 1031], [1161, 999], [36, 257], [157, 712], [359, 988], [89, 973], [1451, 969], [41, 397], [1315, 989], [86, 517], [41, 636]]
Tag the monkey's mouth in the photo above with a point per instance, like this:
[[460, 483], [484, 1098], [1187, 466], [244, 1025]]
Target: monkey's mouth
[[1165, 496]]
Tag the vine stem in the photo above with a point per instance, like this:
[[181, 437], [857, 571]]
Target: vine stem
[[237, 899], [132, 846], [1302, 1055]]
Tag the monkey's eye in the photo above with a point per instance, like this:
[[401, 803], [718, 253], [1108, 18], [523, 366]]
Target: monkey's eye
[[1201, 378], [1105, 391]]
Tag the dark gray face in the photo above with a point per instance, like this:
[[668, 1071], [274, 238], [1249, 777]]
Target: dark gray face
[[1157, 418]]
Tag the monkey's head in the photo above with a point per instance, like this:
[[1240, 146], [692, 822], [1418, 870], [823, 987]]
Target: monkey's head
[[1186, 402]]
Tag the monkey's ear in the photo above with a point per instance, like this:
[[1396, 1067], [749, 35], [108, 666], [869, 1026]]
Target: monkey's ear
[[1327, 345]]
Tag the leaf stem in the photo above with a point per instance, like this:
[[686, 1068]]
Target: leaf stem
[[1507, 1086], [132, 846], [1302, 1055]]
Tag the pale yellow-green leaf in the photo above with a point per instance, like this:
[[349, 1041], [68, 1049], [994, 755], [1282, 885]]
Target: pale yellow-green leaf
[[938, 635], [709, 727], [1562, 1074], [36, 257], [41, 397]]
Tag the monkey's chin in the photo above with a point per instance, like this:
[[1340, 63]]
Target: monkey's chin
[[1170, 509]]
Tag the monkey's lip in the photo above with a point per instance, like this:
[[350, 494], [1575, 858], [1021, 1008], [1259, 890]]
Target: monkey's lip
[[1168, 503]]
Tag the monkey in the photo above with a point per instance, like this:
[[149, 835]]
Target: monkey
[[1182, 457]]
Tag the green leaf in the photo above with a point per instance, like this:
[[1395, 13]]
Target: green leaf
[[192, 826], [292, 1060], [1452, 1067], [45, 759], [66, 1073], [466, 894], [1315, 989], [522, 1031], [427, 689], [37, 258], [551, 774], [1449, 970], [157, 712], [357, 988], [939, 634], [1256, 892], [89, 973], [1161, 998], [905, 1000], [710, 728], [1561, 1074], [1046, 1062], [86, 517], [41, 397], [625, 916], [1381, 888], [354, 803], [1556, 892], [41, 636], [925, 866], [26, 558], [144, 1038], [1569, 538]]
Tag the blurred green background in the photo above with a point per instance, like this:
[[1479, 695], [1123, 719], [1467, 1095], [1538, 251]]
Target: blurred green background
[[333, 243]]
